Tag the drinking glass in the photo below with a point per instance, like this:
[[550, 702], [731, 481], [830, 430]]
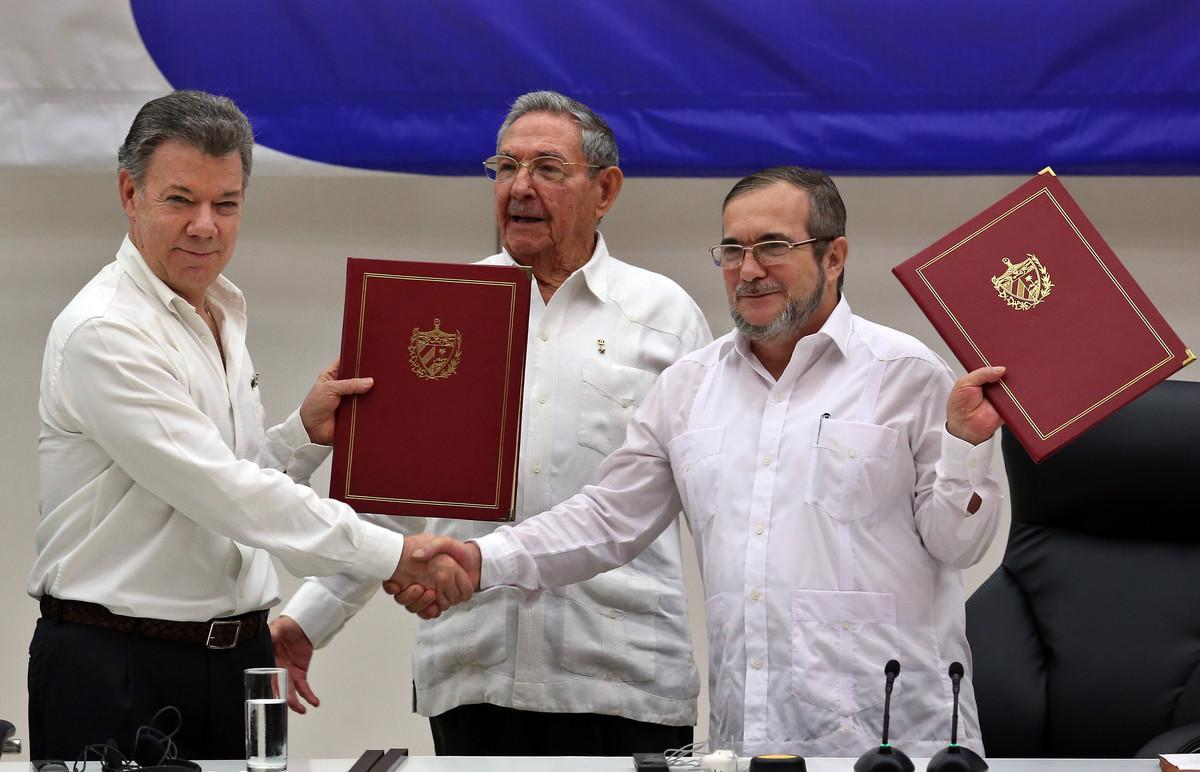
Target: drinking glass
[[266, 718]]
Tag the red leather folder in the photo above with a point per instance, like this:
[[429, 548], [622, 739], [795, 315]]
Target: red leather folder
[[1030, 284], [437, 435]]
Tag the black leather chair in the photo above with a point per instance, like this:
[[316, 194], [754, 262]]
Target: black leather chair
[[7, 743], [1086, 640]]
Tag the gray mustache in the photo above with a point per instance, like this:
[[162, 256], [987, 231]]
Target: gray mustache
[[755, 288]]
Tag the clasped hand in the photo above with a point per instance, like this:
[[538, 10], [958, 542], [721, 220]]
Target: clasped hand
[[434, 573]]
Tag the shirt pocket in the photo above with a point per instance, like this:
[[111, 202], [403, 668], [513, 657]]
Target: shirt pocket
[[850, 467], [696, 463], [841, 642], [609, 628], [471, 637], [609, 395]]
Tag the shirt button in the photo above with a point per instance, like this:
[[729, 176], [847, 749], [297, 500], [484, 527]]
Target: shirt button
[[767, 461], [545, 336], [758, 529], [537, 468], [754, 595], [852, 453], [845, 625], [756, 664], [779, 398], [541, 400], [971, 462], [614, 614], [687, 467]]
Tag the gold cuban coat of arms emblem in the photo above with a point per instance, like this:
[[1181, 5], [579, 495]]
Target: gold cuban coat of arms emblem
[[434, 354], [1025, 284]]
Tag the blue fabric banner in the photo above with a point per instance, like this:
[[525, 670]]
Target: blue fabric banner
[[709, 87]]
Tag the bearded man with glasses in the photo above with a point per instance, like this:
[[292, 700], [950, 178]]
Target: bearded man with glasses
[[836, 480], [603, 667]]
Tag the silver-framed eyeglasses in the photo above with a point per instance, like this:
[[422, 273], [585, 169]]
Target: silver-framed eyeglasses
[[544, 168], [767, 253]]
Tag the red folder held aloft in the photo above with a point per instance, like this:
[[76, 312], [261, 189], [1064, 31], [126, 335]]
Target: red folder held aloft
[[1030, 284]]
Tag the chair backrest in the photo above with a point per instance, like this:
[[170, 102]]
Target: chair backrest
[[7, 743], [1086, 640]]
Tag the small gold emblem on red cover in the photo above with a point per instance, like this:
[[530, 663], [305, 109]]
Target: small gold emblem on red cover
[[1024, 285], [434, 354]]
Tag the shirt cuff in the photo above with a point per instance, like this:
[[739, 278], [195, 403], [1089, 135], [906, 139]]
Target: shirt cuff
[[318, 612], [963, 461], [379, 551], [499, 552], [306, 455]]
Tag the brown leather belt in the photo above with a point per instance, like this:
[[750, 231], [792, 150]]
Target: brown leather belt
[[225, 633]]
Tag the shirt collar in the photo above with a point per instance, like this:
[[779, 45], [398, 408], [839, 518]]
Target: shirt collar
[[223, 293], [595, 270]]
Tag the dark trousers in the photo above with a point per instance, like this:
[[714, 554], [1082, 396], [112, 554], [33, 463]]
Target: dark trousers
[[89, 685], [490, 730]]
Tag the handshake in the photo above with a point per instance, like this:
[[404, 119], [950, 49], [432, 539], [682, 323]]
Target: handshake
[[434, 573]]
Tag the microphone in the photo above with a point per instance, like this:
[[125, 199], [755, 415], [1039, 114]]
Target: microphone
[[956, 758], [885, 758]]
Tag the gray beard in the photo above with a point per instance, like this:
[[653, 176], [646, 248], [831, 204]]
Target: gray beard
[[789, 321]]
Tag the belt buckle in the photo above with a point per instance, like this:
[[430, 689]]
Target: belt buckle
[[212, 630]]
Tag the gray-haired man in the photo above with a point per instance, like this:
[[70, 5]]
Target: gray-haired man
[[161, 493], [603, 667]]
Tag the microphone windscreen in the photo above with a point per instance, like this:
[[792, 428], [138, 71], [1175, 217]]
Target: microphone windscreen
[[956, 670], [892, 668]]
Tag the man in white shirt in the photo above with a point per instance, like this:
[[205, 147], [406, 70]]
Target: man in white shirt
[[603, 667], [161, 493], [835, 478]]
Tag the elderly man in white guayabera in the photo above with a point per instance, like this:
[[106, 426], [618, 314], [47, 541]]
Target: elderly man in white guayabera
[[600, 667]]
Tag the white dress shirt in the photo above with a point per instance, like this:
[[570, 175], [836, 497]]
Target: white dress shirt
[[829, 512], [159, 489], [617, 644]]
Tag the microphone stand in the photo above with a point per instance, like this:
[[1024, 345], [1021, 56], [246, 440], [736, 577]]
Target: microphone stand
[[955, 758], [885, 758]]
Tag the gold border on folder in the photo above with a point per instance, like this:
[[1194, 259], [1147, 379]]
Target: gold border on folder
[[362, 312], [1049, 432]]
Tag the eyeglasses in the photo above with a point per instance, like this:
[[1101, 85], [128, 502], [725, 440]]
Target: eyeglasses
[[767, 253], [544, 168]]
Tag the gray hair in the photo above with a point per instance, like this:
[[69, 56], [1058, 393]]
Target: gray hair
[[212, 124], [826, 211], [596, 138]]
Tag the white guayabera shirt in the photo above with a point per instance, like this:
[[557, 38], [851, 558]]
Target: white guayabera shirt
[[617, 644], [829, 510], [159, 486]]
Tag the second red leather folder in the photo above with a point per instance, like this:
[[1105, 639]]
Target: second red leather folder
[[1030, 284]]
